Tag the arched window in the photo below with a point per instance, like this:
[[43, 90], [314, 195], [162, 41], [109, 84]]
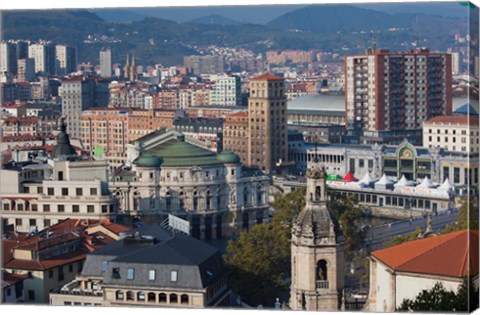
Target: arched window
[[130, 296], [173, 298], [162, 298], [151, 297], [184, 299], [141, 296], [318, 193], [119, 295], [322, 270]]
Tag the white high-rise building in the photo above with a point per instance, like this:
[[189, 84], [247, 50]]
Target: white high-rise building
[[44, 56], [455, 62], [226, 91], [77, 95], [8, 61], [65, 59], [106, 63]]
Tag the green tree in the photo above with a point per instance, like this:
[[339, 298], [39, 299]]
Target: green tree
[[467, 216]]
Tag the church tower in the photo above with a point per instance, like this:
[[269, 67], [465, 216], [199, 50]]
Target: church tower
[[317, 251], [126, 69], [133, 69]]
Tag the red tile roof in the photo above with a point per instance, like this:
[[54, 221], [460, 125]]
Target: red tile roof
[[454, 120], [454, 255], [11, 278], [267, 76], [47, 263]]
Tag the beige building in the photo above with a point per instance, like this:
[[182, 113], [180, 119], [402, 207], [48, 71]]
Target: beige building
[[452, 133], [235, 134], [157, 267], [267, 110], [403, 271], [317, 251], [36, 195]]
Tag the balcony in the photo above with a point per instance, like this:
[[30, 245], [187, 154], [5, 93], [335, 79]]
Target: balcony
[[322, 284]]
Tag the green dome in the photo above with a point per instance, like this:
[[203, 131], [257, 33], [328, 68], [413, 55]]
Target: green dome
[[148, 159], [228, 157], [63, 147]]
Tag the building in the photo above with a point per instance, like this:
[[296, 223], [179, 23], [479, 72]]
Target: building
[[25, 70], [12, 92], [452, 133], [414, 162], [12, 288], [19, 126], [8, 57], [105, 133], [52, 257], [227, 91], [403, 271], [214, 192], [44, 55], [198, 65], [315, 110], [212, 111], [154, 266], [207, 132], [36, 195], [130, 69], [387, 92], [235, 134], [317, 250], [65, 60], [143, 122], [106, 63], [267, 134]]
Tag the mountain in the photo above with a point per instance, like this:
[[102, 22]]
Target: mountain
[[118, 15], [444, 9], [335, 18], [214, 20]]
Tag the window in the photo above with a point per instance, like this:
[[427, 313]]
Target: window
[[31, 295], [130, 273], [61, 275], [93, 191], [61, 208], [46, 223], [75, 208], [33, 222], [6, 206], [50, 191], [64, 191], [18, 222], [34, 207], [50, 273], [116, 273], [90, 208], [151, 275], [79, 191], [70, 268], [173, 276], [104, 208], [46, 208]]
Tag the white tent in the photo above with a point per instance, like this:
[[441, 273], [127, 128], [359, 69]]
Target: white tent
[[446, 185], [367, 179], [403, 182], [384, 180], [426, 183]]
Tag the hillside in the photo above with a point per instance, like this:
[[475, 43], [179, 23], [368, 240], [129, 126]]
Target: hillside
[[214, 20]]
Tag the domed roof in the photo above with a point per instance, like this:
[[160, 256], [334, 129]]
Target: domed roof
[[228, 157], [63, 147], [148, 159]]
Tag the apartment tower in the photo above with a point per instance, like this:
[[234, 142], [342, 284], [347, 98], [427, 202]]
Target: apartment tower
[[267, 128]]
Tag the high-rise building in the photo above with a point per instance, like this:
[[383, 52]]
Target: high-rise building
[[227, 91], [26, 70], [106, 63], [198, 65], [317, 250], [267, 127], [65, 59], [44, 55], [8, 60], [235, 134], [455, 62], [77, 95], [392, 92]]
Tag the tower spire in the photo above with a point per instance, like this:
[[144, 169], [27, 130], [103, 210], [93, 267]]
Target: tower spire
[[126, 69]]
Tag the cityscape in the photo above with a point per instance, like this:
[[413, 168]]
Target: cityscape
[[282, 157]]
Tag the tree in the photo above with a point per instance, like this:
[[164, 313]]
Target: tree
[[406, 238], [467, 216], [440, 299]]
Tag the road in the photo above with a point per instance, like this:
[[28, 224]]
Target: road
[[379, 236]]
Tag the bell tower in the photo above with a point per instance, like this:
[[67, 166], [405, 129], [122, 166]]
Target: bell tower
[[317, 250]]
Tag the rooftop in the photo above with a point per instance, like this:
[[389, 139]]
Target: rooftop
[[453, 255], [267, 76], [453, 120]]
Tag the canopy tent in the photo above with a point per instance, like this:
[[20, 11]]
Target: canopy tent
[[426, 183], [446, 185], [367, 179], [403, 182], [334, 177], [349, 177]]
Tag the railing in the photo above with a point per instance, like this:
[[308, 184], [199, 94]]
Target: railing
[[322, 284]]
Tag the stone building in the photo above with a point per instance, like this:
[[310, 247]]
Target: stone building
[[152, 267], [317, 250], [214, 192]]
